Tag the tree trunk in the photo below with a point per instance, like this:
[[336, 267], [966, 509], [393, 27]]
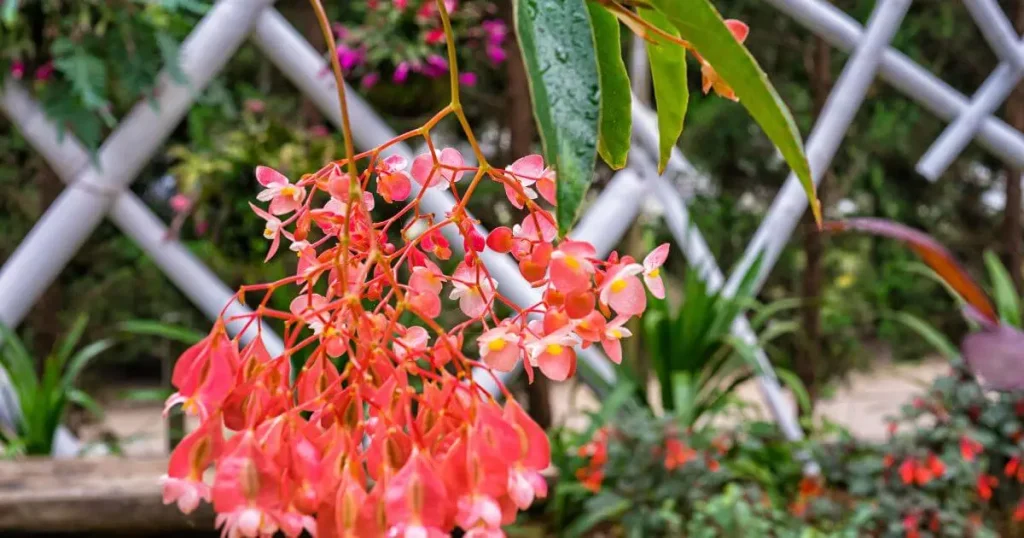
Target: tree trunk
[[1012, 237], [521, 132], [811, 350]]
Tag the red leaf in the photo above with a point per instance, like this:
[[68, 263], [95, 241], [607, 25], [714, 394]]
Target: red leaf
[[933, 254]]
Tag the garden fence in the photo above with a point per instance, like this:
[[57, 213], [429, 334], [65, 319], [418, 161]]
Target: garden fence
[[99, 188]]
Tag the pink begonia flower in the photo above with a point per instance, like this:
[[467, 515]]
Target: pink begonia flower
[[652, 270], [272, 231], [570, 267], [555, 354], [282, 195], [393, 183], [499, 347], [610, 339], [525, 171], [622, 290], [401, 73], [473, 289], [424, 172]]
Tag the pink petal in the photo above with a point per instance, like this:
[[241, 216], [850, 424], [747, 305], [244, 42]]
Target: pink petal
[[613, 348], [472, 304], [395, 163], [528, 169], [656, 285], [281, 205], [423, 171], [630, 300], [546, 187], [657, 257], [452, 158], [558, 367], [268, 176], [567, 278], [504, 360]]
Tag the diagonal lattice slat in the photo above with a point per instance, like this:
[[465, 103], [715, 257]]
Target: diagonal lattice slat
[[92, 192]]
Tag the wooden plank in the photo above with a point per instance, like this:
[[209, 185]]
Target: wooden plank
[[90, 495]]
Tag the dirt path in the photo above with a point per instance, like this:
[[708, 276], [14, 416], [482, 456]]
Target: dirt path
[[861, 405]]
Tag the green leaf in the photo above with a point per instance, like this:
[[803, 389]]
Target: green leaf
[[87, 75], [163, 330], [926, 331], [17, 361], [78, 397], [616, 95], [561, 64], [700, 24], [82, 359], [70, 340], [668, 73], [1003, 291]]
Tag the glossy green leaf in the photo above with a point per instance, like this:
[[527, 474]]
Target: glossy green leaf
[[561, 64], [700, 24], [668, 74], [616, 94]]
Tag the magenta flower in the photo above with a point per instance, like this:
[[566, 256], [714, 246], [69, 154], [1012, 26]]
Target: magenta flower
[[401, 73], [467, 79], [400, 5], [350, 58], [496, 31], [496, 54], [369, 80], [18, 69], [44, 72]]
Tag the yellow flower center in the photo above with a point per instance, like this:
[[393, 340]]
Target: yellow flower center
[[655, 273], [618, 285], [288, 190], [572, 262], [497, 344], [554, 349], [615, 333], [268, 233]]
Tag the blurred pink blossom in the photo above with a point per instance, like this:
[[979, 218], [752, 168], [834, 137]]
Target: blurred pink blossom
[[401, 73], [467, 79], [17, 69], [180, 203]]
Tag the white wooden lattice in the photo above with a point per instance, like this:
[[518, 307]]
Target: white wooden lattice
[[94, 192]]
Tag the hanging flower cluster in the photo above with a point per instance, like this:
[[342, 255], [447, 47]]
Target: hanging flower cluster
[[384, 431]]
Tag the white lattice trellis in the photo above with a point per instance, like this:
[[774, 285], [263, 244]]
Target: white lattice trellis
[[93, 192]]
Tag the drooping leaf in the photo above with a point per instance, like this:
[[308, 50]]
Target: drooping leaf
[[668, 75], [931, 252], [700, 24], [557, 43], [926, 331], [616, 95]]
